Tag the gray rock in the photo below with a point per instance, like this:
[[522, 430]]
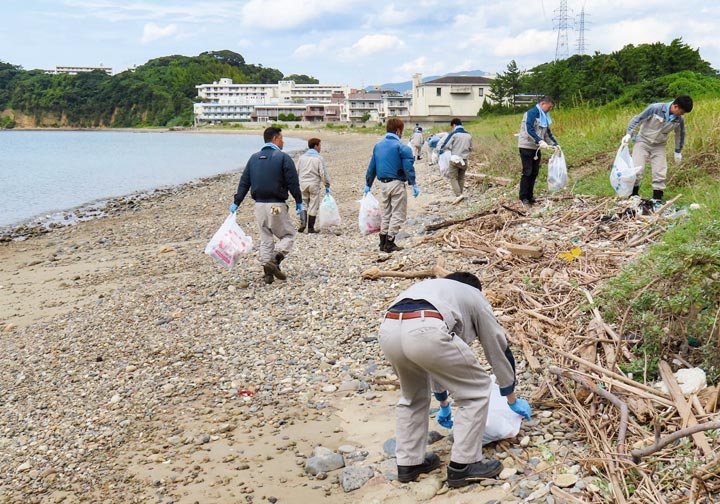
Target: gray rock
[[323, 460], [352, 478]]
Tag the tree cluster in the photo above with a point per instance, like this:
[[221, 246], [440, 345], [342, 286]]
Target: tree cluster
[[158, 93], [634, 74]]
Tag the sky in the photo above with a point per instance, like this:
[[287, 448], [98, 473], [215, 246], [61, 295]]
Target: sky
[[359, 43]]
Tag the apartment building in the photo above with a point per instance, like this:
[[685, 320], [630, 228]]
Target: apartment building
[[451, 96], [74, 70]]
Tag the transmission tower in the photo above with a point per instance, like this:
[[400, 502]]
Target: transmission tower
[[581, 46], [561, 24]]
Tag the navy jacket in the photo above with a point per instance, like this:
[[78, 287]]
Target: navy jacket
[[269, 175]]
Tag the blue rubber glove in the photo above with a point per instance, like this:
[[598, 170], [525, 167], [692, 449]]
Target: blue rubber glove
[[299, 207], [327, 190], [233, 208], [444, 416], [367, 189], [416, 191], [521, 407]]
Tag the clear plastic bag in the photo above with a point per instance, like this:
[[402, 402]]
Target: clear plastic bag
[[444, 162], [229, 243], [329, 214], [502, 422], [622, 174], [370, 217], [557, 171]]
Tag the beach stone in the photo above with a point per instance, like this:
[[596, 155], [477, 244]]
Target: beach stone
[[323, 460], [352, 478], [388, 468], [389, 447], [565, 480], [427, 488], [25, 466], [507, 472]]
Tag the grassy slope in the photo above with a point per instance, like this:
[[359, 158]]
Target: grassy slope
[[671, 296]]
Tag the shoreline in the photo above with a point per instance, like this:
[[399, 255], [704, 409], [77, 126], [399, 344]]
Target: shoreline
[[103, 207]]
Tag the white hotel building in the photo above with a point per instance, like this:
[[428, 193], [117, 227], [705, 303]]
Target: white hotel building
[[224, 100]]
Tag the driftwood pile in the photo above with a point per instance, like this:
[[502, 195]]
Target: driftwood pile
[[538, 267]]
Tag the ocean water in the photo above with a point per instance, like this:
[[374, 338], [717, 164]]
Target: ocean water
[[44, 174]]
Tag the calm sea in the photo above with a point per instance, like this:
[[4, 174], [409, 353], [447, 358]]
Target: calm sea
[[43, 174]]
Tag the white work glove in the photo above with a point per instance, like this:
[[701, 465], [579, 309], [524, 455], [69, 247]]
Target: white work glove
[[626, 140], [678, 158], [543, 144]]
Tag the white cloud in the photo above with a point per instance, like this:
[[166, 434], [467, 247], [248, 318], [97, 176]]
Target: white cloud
[[528, 42], [283, 14], [421, 65], [152, 32], [305, 51], [371, 44]]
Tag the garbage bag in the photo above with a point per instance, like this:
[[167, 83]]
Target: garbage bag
[[557, 171], [329, 214], [444, 162], [502, 422], [229, 243], [370, 216], [622, 174]]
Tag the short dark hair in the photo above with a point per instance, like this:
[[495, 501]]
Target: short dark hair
[[394, 124], [456, 122], [466, 278], [684, 102], [271, 133], [547, 99], [313, 142]]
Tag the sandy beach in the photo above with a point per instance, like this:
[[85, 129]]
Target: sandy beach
[[136, 369]]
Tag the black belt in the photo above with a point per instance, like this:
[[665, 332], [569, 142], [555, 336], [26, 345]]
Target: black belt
[[386, 180]]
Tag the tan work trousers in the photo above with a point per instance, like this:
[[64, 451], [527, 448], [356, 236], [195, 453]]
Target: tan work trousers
[[658, 163], [423, 348], [273, 221], [456, 174], [393, 206], [311, 196]]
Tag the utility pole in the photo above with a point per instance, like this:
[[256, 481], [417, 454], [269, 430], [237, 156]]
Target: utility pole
[[581, 47], [561, 23]]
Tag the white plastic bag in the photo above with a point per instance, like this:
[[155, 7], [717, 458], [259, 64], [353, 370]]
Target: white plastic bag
[[502, 422], [328, 215], [557, 171], [228, 243], [370, 216], [444, 162], [622, 174]]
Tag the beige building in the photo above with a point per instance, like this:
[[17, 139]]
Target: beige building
[[451, 96]]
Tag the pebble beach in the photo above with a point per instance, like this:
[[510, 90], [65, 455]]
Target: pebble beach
[[135, 369]]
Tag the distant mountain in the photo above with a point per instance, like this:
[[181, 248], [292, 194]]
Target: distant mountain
[[407, 85]]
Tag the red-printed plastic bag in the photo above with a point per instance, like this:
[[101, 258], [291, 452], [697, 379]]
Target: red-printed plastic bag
[[370, 216], [229, 243]]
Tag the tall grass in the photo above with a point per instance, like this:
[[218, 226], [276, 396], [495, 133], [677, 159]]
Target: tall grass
[[670, 297]]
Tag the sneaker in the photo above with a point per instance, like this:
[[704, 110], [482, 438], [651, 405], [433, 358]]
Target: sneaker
[[407, 474], [472, 473], [458, 199]]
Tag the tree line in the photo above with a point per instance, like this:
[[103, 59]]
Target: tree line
[[634, 74], [159, 93]]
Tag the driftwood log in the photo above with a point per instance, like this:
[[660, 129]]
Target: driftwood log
[[437, 271]]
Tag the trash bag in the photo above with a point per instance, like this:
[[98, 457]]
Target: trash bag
[[502, 422], [370, 216], [228, 243], [557, 171], [444, 162], [328, 215], [622, 174]]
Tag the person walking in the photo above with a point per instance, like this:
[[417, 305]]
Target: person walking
[[313, 175], [392, 164], [416, 142], [656, 123], [268, 175], [534, 135], [459, 143], [426, 335]]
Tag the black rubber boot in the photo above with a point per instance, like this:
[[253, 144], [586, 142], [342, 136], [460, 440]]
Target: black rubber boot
[[390, 245], [407, 474], [303, 221], [472, 473], [311, 224], [268, 276], [383, 240], [636, 191], [273, 266], [657, 195]]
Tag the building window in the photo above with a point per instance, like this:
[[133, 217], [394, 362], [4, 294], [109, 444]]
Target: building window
[[480, 91], [438, 91]]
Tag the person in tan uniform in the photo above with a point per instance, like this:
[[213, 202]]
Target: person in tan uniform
[[656, 123], [459, 143], [313, 175], [426, 335]]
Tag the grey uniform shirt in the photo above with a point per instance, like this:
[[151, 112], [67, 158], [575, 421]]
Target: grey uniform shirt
[[468, 315]]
